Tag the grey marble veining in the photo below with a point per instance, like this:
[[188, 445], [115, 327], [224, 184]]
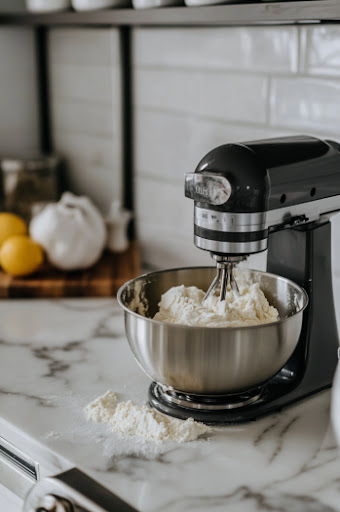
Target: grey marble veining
[[58, 355]]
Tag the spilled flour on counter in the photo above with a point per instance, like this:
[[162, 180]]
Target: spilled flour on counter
[[184, 305], [129, 419]]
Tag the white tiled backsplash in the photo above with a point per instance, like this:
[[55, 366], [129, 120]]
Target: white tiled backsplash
[[86, 109], [194, 88], [18, 95]]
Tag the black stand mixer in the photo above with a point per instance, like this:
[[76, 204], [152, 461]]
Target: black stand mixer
[[275, 194]]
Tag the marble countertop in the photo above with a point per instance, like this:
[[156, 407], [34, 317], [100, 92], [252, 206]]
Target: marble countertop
[[57, 355]]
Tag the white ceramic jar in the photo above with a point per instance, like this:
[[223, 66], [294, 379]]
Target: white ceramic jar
[[117, 222], [93, 5], [47, 5]]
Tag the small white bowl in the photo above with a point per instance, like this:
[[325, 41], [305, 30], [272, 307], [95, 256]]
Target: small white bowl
[[94, 5], [47, 5]]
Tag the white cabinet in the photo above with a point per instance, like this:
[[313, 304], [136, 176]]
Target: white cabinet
[[9, 501]]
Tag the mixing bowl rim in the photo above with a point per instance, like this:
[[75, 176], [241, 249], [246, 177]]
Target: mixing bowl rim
[[159, 322]]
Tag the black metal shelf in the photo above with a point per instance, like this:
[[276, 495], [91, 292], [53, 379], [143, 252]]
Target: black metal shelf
[[247, 13]]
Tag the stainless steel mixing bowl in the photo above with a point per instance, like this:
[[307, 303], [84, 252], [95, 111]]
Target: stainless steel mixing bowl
[[210, 360]]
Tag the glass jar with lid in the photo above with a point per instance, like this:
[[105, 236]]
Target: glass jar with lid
[[25, 181]]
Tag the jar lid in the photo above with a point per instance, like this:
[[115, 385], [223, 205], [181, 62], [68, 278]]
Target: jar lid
[[36, 163]]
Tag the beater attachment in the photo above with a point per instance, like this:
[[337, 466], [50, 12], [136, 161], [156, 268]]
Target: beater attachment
[[225, 279]]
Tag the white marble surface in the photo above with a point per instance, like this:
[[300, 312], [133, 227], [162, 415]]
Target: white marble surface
[[58, 355]]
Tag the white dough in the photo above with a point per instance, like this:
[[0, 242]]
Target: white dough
[[184, 305]]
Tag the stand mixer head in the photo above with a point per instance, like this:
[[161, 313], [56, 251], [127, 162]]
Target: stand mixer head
[[243, 192]]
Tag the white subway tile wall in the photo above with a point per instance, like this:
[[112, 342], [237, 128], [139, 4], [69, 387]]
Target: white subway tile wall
[[18, 101], [219, 48], [320, 50], [86, 109], [203, 94], [197, 88], [305, 103]]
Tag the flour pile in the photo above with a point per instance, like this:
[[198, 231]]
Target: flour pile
[[129, 419], [184, 305]]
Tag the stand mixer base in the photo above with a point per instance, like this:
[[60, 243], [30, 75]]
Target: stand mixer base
[[204, 408]]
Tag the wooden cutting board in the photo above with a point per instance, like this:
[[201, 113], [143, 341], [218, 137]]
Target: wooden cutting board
[[102, 280]]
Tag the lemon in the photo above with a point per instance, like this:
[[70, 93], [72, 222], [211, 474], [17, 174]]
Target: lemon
[[11, 224], [20, 255]]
